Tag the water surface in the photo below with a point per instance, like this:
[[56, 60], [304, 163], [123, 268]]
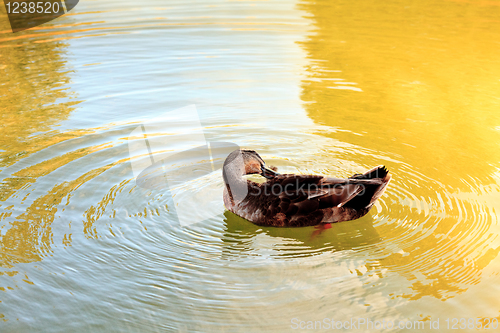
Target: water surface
[[327, 87]]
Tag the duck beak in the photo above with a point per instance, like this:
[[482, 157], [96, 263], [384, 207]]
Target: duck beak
[[268, 173]]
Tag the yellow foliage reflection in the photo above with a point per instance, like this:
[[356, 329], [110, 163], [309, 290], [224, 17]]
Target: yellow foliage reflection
[[33, 98], [418, 82]]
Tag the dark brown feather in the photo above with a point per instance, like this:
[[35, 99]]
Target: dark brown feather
[[305, 200]]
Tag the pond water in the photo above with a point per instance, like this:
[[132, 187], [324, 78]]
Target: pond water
[[323, 87]]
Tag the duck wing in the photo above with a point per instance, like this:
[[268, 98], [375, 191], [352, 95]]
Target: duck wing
[[305, 200], [299, 199]]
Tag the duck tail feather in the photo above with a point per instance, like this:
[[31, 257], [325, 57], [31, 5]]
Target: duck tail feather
[[367, 198], [379, 172]]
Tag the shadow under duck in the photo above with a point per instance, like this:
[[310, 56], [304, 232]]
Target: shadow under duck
[[291, 200]]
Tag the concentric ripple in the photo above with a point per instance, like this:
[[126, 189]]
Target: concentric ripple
[[315, 88], [437, 239]]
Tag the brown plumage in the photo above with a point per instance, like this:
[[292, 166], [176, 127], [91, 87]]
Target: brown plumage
[[297, 200]]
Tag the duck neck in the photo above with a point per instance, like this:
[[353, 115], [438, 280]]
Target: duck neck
[[236, 185], [232, 176]]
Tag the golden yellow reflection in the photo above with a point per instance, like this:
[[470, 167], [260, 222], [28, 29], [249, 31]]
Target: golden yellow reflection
[[418, 83], [33, 79]]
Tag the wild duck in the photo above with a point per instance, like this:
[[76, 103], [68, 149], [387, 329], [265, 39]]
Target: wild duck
[[289, 200]]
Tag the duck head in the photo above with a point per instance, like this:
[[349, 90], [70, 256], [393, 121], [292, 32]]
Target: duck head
[[246, 162]]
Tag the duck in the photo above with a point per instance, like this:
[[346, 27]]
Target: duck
[[296, 200]]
